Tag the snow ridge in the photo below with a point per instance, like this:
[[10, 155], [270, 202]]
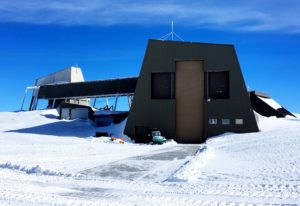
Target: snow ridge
[[189, 172], [35, 170]]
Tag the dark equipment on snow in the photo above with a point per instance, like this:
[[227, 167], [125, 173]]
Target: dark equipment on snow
[[155, 136]]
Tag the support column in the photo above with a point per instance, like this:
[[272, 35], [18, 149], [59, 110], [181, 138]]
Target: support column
[[129, 103], [23, 100], [95, 101], [107, 103], [53, 103], [116, 102]]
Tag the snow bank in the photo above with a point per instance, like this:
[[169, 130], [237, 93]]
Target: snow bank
[[68, 146], [274, 123], [272, 103], [260, 168], [35, 170], [190, 170], [116, 130], [268, 154]]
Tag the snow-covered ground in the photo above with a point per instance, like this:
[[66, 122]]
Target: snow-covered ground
[[46, 161]]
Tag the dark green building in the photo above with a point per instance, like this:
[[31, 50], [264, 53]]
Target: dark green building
[[190, 91]]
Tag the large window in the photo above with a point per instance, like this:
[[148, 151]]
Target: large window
[[217, 85], [163, 85]]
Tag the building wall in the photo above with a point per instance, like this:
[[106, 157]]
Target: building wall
[[161, 56], [74, 113], [71, 111], [72, 74]]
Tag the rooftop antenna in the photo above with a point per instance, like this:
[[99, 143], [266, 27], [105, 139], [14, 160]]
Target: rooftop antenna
[[171, 34]]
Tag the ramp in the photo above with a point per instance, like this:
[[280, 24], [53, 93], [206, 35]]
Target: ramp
[[155, 166]]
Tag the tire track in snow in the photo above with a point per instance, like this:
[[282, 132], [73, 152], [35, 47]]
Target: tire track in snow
[[247, 166]]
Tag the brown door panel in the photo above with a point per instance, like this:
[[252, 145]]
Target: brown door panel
[[189, 101]]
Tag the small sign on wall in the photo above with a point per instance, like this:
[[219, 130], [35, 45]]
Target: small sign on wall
[[213, 121], [239, 121]]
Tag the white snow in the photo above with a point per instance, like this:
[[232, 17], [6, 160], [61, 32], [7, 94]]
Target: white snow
[[271, 102], [39, 138], [46, 161], [264, 165], [33, 170]]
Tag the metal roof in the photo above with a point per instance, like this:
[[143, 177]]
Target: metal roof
[[110, 87]]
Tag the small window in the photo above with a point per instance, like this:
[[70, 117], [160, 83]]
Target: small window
[[213, 121], [239, 121], [225, 121], [217, 85], [163, 85]]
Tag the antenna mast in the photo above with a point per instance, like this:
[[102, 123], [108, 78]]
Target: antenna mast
[[171, 34], [172, 30]]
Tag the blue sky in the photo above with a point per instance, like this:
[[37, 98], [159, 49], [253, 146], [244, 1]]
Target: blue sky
[[107, 39]]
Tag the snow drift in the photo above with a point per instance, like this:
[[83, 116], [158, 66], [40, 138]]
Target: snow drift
[[260, 168]]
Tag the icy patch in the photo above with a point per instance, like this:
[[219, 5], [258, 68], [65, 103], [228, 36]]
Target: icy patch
[[192, 169], [34, 170]]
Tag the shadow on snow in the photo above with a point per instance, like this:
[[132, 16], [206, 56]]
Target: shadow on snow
[[75, 128]]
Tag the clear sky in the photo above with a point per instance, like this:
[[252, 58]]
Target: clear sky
[[107, 39]]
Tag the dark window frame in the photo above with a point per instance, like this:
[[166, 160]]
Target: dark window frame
[[158, 93], [210, 84]]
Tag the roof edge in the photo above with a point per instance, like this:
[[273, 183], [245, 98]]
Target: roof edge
[[91, 81], [189, 42], [261, 94]]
